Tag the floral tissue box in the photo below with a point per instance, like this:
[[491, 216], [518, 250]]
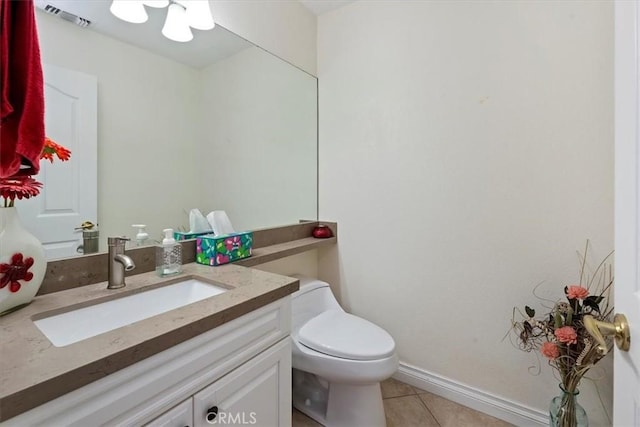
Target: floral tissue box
[[179, 235], [218, 250]]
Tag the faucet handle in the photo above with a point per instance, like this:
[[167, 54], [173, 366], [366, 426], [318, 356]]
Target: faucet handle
[[114, 241]]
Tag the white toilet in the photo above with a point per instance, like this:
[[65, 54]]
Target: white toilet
[[338, 360]]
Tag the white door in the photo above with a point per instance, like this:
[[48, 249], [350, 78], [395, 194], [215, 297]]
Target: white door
[[69, 194], [627, 208], [256, 393]]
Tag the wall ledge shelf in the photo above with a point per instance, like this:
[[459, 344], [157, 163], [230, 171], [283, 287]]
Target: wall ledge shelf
[[283, 250], [269, 244]]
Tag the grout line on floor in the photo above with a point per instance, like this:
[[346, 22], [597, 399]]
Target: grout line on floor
[[400, 395], [428, 409]]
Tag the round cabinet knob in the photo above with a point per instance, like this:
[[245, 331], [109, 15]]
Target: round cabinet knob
[[212, 413]]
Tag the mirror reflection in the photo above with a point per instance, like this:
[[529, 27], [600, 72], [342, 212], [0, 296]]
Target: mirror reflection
[[177, 126]]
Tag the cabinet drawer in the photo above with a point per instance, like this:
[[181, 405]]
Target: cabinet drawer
[[180, 416]]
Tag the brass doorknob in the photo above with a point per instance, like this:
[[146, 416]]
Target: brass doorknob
[[619, 329]]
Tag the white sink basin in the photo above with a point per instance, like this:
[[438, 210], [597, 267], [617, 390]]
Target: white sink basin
[[82, 323]]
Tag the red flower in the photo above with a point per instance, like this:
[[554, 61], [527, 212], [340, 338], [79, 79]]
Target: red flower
[[550, 350], [21, 187], [17, 270], [566, 335], [50, 148], [577, 292]]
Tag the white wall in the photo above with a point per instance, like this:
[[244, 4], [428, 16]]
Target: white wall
[[305, 263], [268, 167], [142, 98], [284, 27], [466, 150]]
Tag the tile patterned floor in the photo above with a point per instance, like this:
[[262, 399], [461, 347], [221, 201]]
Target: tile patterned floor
[[407, 406]]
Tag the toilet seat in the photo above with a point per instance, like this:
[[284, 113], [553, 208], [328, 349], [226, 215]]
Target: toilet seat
[[346, 336]]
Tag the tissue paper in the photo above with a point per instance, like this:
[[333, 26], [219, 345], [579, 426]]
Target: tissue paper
[[220, 223], [198, 225]]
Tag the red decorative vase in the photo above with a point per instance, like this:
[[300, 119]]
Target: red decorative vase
[[22, 263]]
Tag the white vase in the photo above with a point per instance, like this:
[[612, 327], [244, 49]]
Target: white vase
[[22, 262]]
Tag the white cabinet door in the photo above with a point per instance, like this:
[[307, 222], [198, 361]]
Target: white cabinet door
[[257, 393], [179, 416]]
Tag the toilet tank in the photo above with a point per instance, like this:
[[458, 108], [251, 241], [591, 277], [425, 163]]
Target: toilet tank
[[313, 297]]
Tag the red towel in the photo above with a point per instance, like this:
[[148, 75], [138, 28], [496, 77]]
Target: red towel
[[22, 94]]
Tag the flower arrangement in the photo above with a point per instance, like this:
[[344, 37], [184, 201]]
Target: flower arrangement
[[561, 337], [24, 186]]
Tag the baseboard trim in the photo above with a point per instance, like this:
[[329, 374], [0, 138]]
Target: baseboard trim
[[499, 407]]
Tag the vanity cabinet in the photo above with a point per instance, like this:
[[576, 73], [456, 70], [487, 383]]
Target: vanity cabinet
[[253, 394], [242, 368], [180, 416]]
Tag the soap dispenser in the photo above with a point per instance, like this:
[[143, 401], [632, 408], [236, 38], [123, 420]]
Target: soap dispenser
[[169, 255], [142, 235]]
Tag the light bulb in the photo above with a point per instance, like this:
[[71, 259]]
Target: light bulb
[[176, 26], [199, 14], [129, 10]]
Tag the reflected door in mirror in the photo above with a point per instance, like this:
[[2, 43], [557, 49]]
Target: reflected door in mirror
[[68, 196]]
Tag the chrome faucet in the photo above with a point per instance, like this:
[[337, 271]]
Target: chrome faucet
[[118, 262]]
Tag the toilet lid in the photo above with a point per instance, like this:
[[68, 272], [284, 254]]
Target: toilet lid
[[343, 335]]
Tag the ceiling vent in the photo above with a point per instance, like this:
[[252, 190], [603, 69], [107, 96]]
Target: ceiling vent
[[67, 16]]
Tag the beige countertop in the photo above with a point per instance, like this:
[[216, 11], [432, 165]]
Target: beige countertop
[[34, 371]]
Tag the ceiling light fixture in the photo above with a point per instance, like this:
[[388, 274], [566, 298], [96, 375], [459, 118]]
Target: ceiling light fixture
[[176, 27], [129, 10], [199, 14], [182, 15], [156, 3]]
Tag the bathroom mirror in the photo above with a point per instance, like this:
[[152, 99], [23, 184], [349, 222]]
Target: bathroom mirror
[[188, 127]]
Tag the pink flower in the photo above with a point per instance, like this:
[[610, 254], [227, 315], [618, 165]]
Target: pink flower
[[567, 335], [577, 292], [550, 350], [232, 243]]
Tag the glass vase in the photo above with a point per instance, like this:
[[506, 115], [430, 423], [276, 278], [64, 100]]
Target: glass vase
[[565, 411]]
